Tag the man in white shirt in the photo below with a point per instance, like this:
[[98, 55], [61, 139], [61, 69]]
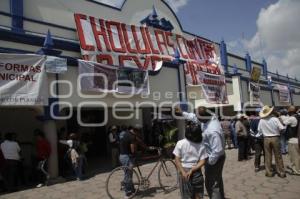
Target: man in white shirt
[[271, 127], [10, 150]]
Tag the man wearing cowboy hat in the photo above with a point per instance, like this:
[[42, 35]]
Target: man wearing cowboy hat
[[271, 127]]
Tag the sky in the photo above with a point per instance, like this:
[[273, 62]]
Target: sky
[[267, 29]]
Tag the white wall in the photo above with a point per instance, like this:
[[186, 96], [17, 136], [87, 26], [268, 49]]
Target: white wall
[[265, 97], [61, 13], [4, 6], [296, 99]]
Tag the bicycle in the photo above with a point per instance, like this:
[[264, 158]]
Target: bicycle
[[167, 177]]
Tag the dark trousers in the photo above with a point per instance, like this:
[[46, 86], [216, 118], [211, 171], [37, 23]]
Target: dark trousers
[[10, 174], [243, 148], [259, 149], [214, 180], [250, 144], [42, 171], [78, 168]]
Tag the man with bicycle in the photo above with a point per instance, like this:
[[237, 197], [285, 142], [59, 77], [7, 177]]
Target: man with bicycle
[[128, 142]]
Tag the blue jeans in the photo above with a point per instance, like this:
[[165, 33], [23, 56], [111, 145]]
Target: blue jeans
[[126, 160], [78, 168], [234, 138], [283, 143]]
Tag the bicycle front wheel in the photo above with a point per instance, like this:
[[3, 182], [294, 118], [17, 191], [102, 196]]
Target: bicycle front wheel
[[168, 175], [121, 179]]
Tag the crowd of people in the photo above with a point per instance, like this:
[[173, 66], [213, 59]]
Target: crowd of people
[[266, 131], [12, 168]]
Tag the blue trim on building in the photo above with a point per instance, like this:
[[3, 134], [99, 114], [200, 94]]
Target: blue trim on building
[[223, 54], [70, 60], [248, 62], [35, 40], [16, 10], [265, 68], [265, 81], [40, 22]]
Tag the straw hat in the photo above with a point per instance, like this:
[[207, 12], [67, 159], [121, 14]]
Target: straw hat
[[114, 127], [239, 116], [292, 109], [265, 111]]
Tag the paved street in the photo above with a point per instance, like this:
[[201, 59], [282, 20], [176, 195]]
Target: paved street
[[241, 182]]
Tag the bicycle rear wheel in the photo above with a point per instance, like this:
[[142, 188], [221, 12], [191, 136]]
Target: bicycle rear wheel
[[168, 175], [115, 182]]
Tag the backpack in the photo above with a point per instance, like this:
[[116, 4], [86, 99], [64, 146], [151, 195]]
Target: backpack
[[253, 129], [292, 132]]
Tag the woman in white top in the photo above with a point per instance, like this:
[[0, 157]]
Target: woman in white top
[[190, 157]]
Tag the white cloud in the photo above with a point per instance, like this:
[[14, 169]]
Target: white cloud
[[277, 38], [176, 4], [114, 3]]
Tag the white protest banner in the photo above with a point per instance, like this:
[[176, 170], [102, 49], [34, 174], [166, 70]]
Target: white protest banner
[[104, 78], [119, 44], [284, 93], [133, 81], [97, 77], [254, 90], [23, 80], [213, 87], [56, 65]]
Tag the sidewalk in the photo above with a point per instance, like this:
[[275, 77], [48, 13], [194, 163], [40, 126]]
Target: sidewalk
[[240, 180]]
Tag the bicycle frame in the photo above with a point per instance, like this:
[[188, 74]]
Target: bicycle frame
[[152, 170]]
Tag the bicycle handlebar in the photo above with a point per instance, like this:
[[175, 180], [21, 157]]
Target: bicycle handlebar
[[158, 149]]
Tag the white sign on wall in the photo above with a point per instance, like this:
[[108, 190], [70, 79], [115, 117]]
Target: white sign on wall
[[104, 78], [23, 80], [284, 93], [56, 65]]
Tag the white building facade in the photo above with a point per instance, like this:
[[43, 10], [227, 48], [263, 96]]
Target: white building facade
[[23, 28]]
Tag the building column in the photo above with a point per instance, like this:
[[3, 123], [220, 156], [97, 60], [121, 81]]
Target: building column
[[51, 135], [237, 92]]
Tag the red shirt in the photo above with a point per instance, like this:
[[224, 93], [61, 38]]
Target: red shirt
[[43, 148]]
